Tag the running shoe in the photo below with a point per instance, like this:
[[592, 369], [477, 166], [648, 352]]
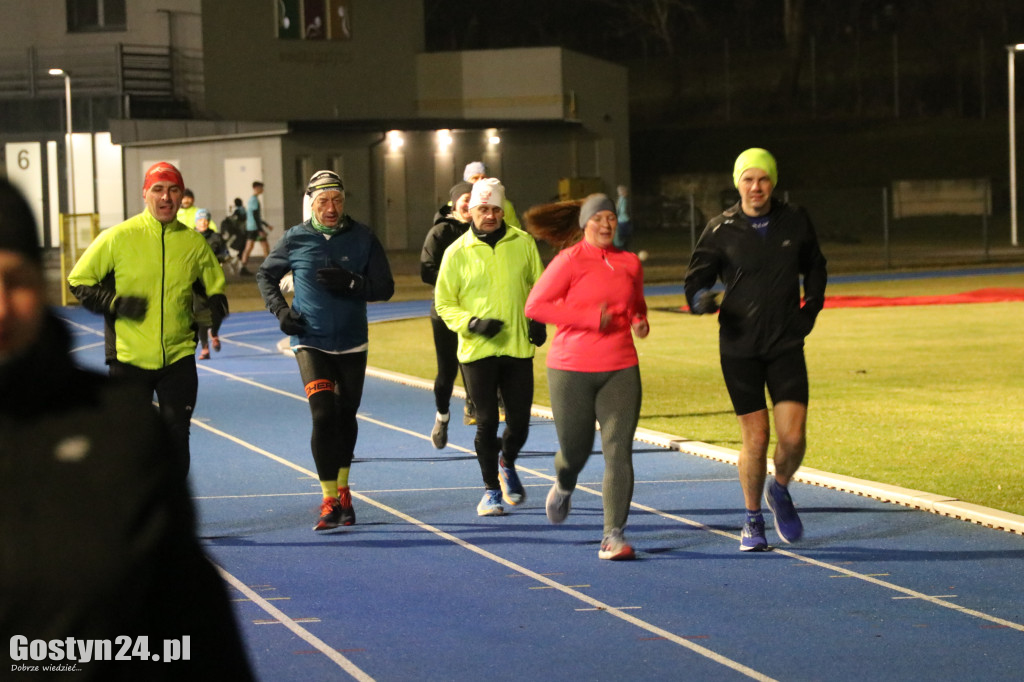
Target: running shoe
[[204, 354], [215, 342], [348, 514], [752, 538], [330, 514], [558, 504], [787, 521], [439, 435], [615, 548], [490, 505], [512, 490], [469, 414]]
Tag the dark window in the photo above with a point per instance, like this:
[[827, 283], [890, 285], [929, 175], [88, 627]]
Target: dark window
[[96, 15]]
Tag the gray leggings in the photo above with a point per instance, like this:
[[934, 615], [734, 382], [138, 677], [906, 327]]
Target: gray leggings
[[612, 399]]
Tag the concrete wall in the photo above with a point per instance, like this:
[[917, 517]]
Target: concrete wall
[[525, 84], [202, 166], [251, 74]]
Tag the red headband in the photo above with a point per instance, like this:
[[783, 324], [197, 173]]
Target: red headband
[[162, 172]]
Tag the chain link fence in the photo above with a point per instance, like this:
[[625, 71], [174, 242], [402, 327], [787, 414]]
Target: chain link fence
[[856, 228]]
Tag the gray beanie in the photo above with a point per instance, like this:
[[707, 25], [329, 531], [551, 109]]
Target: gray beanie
[[594, 204], [460, 189], [17, 224]]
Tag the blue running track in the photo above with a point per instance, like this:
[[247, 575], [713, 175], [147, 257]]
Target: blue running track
[[424, 589]]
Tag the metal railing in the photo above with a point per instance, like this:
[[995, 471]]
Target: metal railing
[[123, 71]]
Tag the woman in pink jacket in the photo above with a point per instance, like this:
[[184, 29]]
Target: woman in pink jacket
[[593, 293]]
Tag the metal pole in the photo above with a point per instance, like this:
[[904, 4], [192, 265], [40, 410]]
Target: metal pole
[[895, 75], [693, 222], [1011, 54], [814, 78], [885, 228], [70, 143]]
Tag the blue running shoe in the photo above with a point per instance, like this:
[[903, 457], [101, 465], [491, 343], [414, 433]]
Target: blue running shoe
[[787, 521], [490, 504], [512, 491], [752, 538]]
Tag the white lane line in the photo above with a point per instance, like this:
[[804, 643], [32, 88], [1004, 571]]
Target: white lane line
[[299, 631], [565, 589], [657, 512], [89, 346]]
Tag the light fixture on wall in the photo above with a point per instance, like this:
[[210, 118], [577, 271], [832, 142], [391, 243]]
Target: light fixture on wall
[[492, 137], [69, 148], [444, 140], [395, 140]]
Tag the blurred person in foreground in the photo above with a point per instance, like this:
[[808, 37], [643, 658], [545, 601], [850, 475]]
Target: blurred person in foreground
[[451, 223], [485, 277], [139, 275], [760, 249], [337, 266], [593, 292], [126, 562]]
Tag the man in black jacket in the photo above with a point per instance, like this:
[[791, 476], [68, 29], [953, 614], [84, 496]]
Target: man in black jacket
[[760, 248], [451, 223], [121, 560]]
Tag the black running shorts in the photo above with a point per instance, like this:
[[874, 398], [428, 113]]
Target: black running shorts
[[746, 378]]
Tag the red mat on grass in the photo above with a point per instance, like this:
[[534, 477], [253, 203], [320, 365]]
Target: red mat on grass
[[994, 295]]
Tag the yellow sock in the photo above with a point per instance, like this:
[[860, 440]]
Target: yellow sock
[[343, 477], [330, 488]]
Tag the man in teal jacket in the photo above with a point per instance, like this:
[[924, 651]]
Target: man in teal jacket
[[485, 277], [337, 266], [139, 276]]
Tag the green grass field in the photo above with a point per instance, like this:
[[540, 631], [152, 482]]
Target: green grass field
[[924, 397]]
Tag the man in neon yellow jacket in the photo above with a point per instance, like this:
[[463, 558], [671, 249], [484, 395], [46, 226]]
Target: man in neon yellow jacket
[[482, 285], [139, 275]]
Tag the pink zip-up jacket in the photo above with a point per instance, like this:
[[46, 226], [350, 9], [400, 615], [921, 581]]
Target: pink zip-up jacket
[[570, 295]]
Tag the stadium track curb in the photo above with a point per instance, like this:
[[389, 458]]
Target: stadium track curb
[[942, 505]]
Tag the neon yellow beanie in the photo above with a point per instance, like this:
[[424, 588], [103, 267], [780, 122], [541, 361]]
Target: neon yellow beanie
[[755, 157]]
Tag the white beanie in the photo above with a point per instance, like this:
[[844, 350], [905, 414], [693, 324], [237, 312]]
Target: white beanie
[[487, 192], [473, 168]]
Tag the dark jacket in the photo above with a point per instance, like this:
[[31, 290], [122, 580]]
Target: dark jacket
[[761, 314], [217, 244], [445, 231], [334, 321], [98, 530]]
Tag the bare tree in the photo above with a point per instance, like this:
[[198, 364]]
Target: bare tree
[[662, 24]]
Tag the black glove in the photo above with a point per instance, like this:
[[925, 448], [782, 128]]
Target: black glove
[[130, 307], [705, 302], [804, 322], [538, 332], [291, 321], [488, 327], [341, 280], [218, 304]]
